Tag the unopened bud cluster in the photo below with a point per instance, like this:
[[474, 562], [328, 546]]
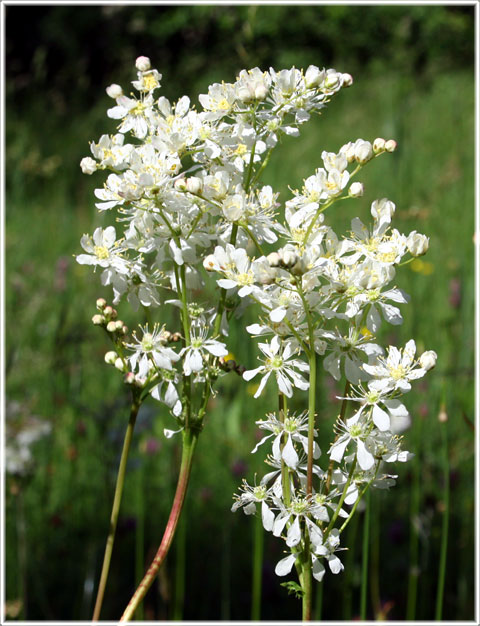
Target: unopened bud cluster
[[108, 318]]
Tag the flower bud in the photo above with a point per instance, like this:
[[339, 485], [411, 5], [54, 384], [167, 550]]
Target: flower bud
[[98, 319], [101, 303], [111, 327], [347, 80], [356, 190], [363, 151], [111, 357], [331, 81], [108, 310], [261, 92], [119, 364], [194, 184], [288, 258], [209, 263], [143, 64], [273, 259], [176, 337], [119, 325], [181, 184], [443, 415], [349, 151], [88, 165], [382, 210], [313, 76], [139, 381], [378, 145], [417, 244], [428, 360], [129, 378], [124, 329], [390, 145], [114, 91]]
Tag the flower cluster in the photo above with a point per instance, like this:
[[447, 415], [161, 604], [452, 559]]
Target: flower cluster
[[185, 185]]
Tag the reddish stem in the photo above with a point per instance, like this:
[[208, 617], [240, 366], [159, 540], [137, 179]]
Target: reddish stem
[[189, 442]]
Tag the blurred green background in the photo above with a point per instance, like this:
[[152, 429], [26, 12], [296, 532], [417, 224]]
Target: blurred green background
[[413, 69]]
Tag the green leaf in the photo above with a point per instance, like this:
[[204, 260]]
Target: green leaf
[[293, 588]]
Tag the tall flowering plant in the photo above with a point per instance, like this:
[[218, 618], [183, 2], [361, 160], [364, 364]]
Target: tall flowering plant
[[185, 186]]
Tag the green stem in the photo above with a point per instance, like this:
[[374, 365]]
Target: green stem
[[253, 238], [189, 440], [115, 508], [307, 584], [257, 568], [444, 540], [318, 603], [311, 415], [312, 361], [344, 495], [262, 167], [180, 278], [282, 414], [365, 546], [140, 533], [183, 296], [342, 418], [315, 218], [375, 558]]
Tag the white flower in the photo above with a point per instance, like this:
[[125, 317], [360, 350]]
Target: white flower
[[285, 433], [150, 352], [104, 250], [236, 267], [250, 497], [349, 349], [279, 360], [357, 430], [382, 212], [194, 354], [397, 370], [370, 299], [170, 395], [371, 399], [134, 113], [327, 550], [252, 85], [300, 509], [386, 446]]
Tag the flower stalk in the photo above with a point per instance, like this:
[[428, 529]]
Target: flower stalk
[[189, 441], [117, 499]]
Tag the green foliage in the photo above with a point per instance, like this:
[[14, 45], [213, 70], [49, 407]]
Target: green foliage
[[293, 588]]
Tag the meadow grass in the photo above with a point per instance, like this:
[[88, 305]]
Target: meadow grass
[[55, 369]]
